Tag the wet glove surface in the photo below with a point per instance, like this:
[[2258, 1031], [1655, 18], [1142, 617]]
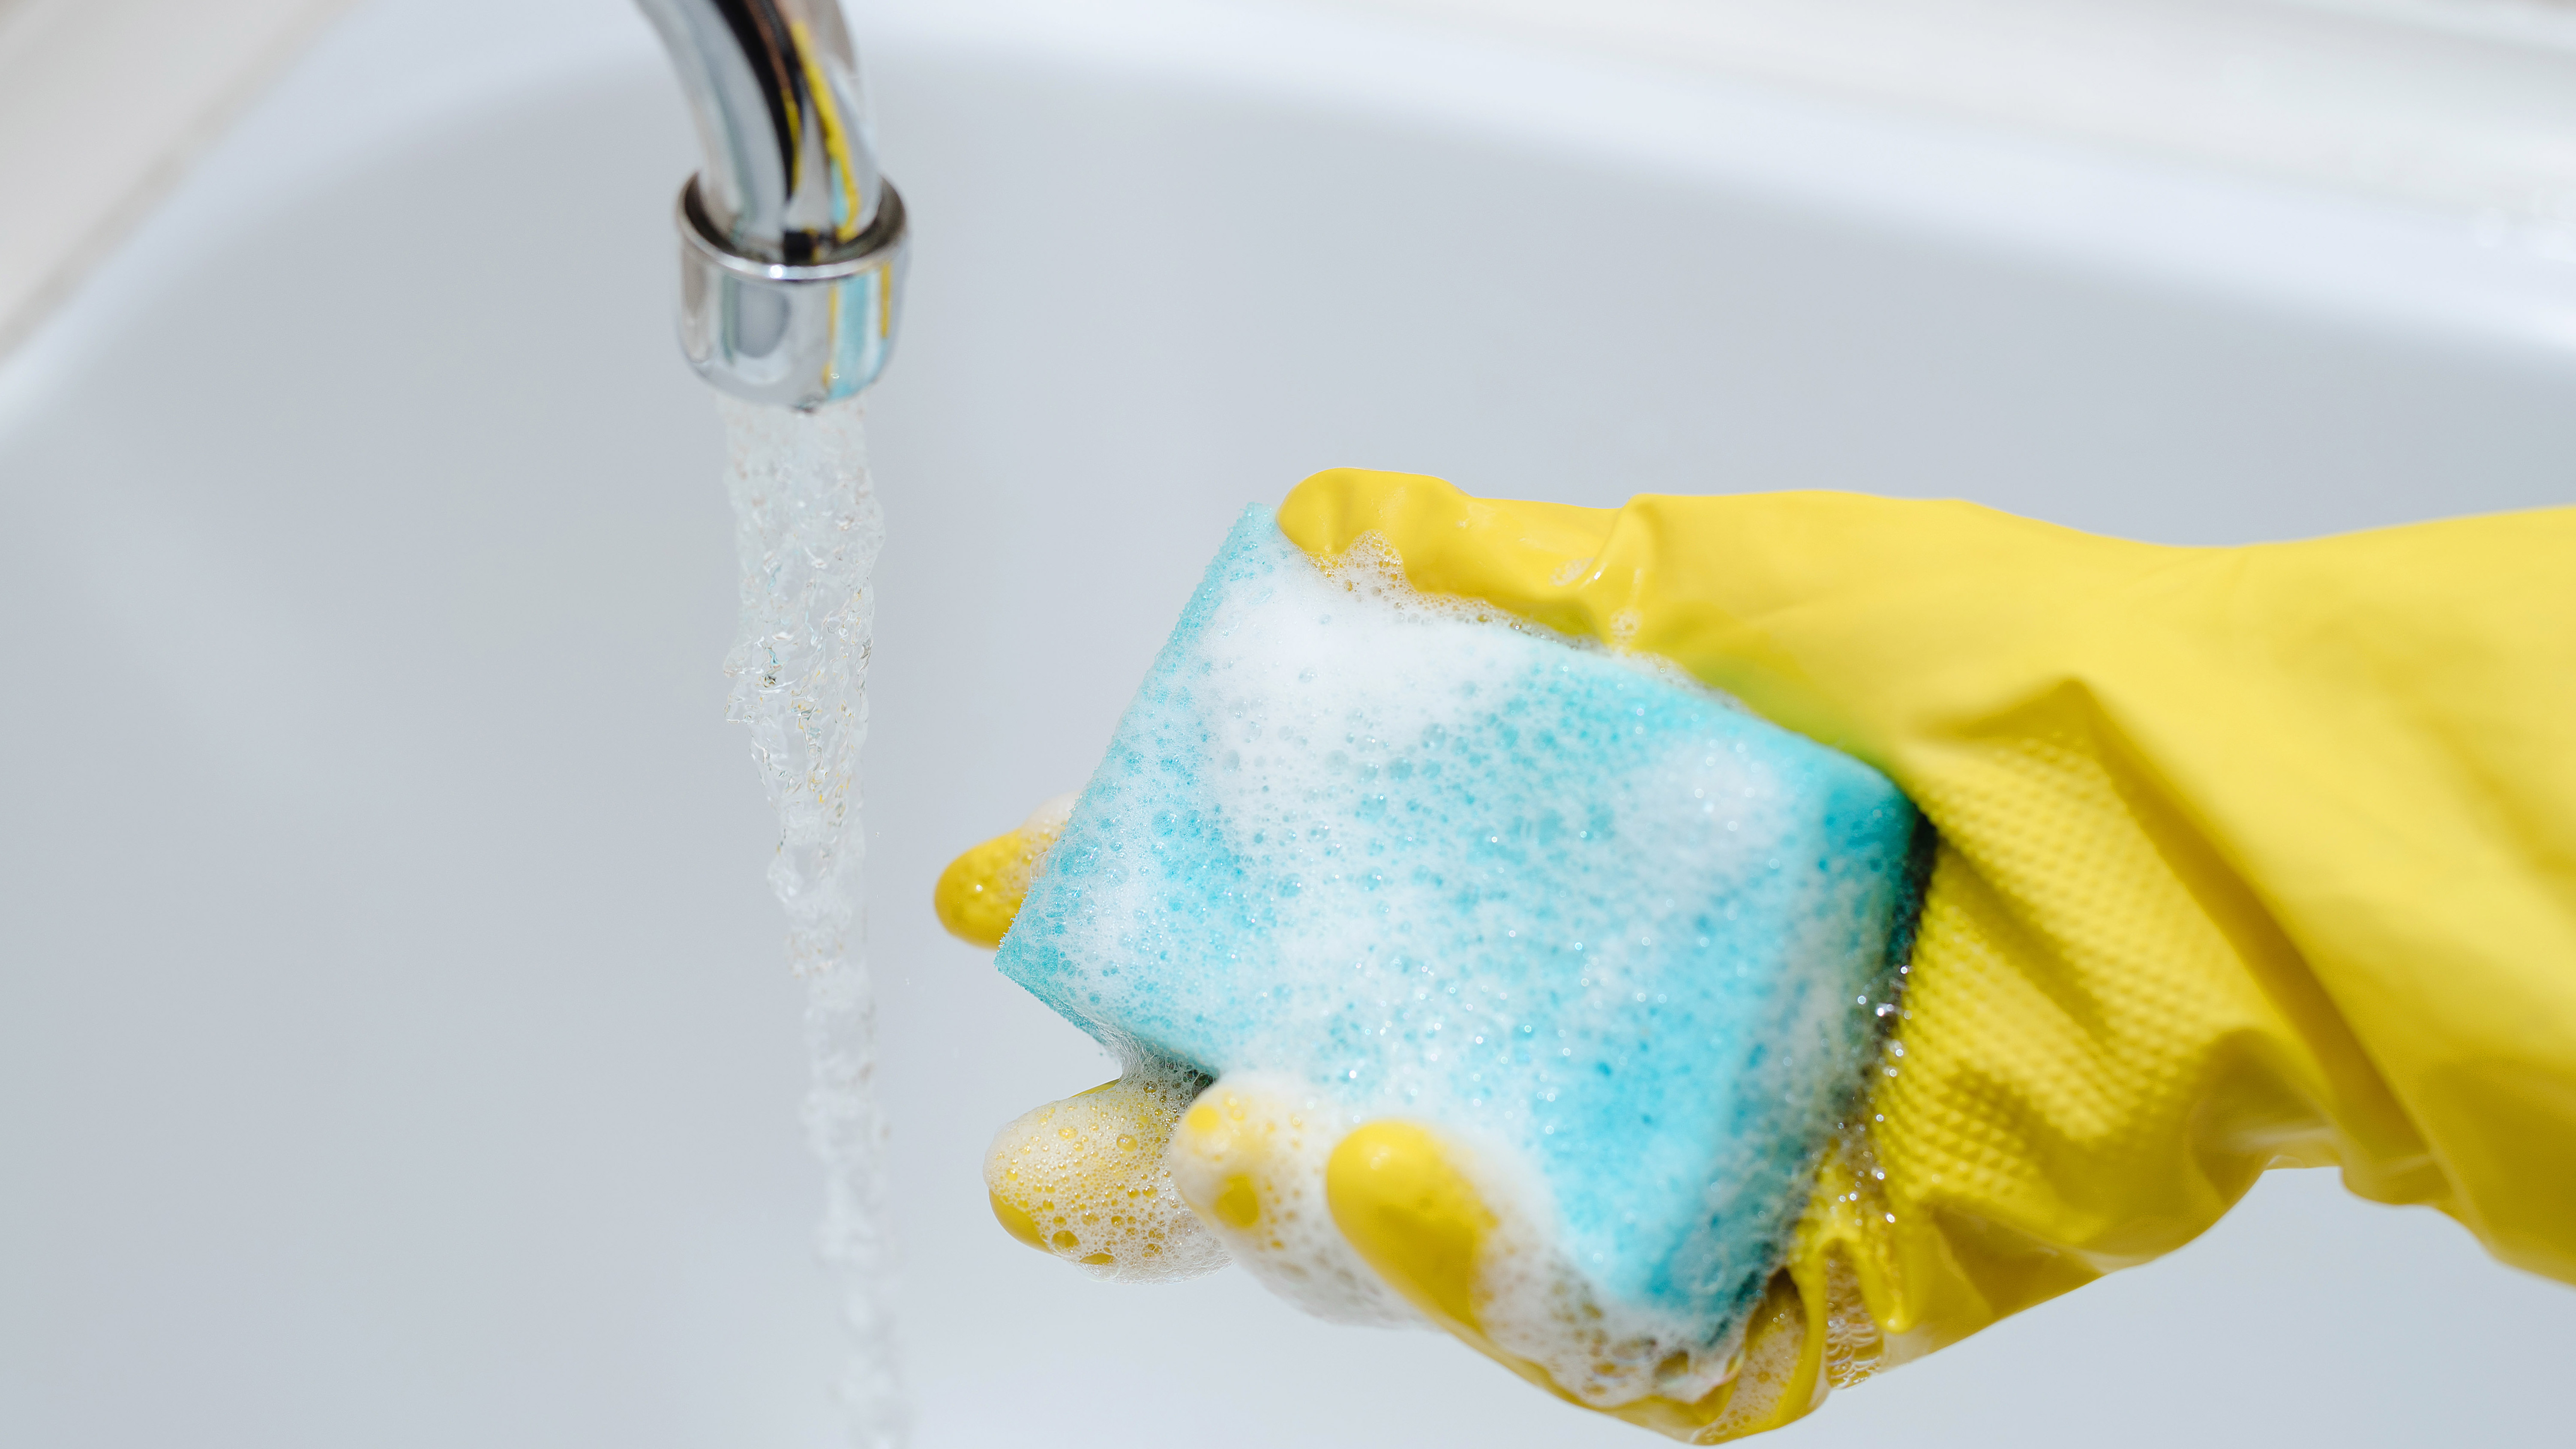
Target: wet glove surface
[[2249, 857]]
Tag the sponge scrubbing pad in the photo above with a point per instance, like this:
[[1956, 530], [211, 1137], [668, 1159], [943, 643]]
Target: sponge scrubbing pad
[[1624, 943]]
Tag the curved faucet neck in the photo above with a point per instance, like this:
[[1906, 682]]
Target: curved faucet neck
[[791, 169]]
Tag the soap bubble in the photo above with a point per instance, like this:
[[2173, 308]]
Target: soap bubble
[[1085, 1179]]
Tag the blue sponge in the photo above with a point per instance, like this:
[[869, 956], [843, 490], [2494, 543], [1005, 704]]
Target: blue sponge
[[1442, 866]]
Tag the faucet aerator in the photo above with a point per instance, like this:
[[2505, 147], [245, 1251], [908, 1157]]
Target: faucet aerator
[[792, 245]]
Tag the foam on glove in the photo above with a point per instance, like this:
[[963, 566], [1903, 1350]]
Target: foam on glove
[[1084, 1180], [1368, 854]]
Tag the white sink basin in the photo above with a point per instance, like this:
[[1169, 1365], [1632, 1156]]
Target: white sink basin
[[394, 1048]]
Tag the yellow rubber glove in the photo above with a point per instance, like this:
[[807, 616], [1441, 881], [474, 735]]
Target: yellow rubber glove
[[2249, 857], [980, 892]]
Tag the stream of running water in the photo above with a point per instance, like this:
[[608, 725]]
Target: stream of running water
[[808, 531]]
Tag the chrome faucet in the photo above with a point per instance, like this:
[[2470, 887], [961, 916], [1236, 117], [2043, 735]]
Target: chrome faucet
[[792, 246]]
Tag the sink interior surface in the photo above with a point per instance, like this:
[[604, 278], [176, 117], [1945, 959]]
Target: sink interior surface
[[394, 1047]]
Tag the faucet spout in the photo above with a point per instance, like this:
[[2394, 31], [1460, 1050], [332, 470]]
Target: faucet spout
[[792, 243], [774, 86]]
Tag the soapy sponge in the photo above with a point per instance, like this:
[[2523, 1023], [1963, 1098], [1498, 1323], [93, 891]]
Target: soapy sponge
[[1627, 944]]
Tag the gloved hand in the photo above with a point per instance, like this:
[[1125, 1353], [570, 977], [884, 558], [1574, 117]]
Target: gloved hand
[[2248, 857]]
